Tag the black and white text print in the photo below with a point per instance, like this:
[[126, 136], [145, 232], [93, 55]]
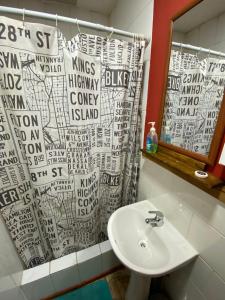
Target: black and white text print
[[69, 136]]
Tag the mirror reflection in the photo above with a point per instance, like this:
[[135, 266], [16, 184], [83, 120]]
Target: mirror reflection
[[196, 78]]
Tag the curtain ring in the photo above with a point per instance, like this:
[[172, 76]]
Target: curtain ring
[[181, 47], [23, 17], [199, 50], [56, 21], [181, 50], [181, 54], [141, 37], [208, 56], [111, 33], [78, 27]]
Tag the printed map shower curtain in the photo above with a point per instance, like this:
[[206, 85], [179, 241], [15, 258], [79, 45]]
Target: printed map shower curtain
[[69, 136]]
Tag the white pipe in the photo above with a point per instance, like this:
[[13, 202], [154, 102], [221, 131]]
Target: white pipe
[[99, 27], [200, 49]]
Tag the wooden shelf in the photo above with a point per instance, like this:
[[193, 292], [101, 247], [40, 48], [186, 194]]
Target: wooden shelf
[[185, 168]]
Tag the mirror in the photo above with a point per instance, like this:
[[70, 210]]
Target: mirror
[[193, 117]]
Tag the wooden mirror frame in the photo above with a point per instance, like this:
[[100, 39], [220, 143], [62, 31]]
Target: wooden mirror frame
[[165, 13]]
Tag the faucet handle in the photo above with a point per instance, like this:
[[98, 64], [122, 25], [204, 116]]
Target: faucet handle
[[157, 220], [158, 214]]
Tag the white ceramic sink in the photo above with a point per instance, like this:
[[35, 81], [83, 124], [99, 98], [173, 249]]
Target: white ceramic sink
[[148, 250]]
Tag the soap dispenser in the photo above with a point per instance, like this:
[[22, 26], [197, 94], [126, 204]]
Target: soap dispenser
[[152, 139]]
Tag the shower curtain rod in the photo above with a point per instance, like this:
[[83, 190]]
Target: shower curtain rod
[[187, 46], [99, 27]]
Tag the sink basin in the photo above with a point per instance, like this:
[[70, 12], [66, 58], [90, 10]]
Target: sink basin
[[153, 251]]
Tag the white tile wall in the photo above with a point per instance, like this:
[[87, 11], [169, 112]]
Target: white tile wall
[[214, 254], [109, 260], [193, 293], [9, 290], [74, 268], [217, 218], [220, 35], [178, 37], [193, 37], [36, 282], [210, 34], [201, 219], [203, 237], [68, 271], [216, 288], [143, 21], [133, 10], [64, 272], [201, 274], [176, 283], [89, 262]]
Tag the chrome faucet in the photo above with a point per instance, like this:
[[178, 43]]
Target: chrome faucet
[[157, 220]]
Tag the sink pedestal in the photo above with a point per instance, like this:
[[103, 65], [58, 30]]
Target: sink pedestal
[[139, 287]]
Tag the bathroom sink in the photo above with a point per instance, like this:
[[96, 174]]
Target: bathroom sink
[[153, 251]]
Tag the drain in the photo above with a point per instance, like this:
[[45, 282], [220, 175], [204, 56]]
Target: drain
[[143, 244]]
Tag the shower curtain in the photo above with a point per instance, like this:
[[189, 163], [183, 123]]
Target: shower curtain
[[69, 136]]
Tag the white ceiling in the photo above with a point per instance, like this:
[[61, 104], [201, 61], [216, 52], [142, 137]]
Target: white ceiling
[[101, 6], [104, 7], [201, 13]]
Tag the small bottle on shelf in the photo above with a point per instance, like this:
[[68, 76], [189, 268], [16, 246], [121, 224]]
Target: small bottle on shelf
[[167, 135], [152, 139]]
